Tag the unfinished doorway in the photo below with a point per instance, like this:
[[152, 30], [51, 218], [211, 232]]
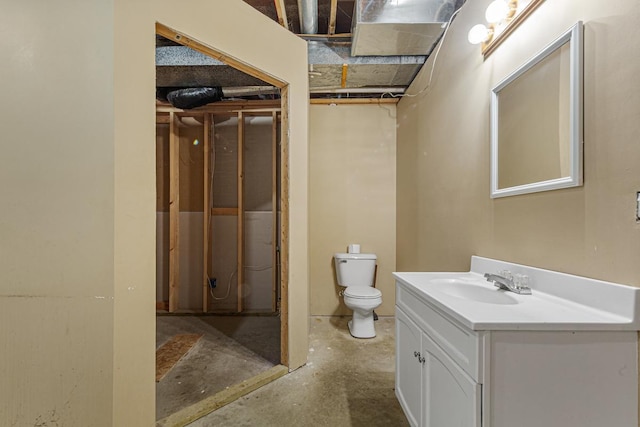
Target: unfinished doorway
[[222, 233]]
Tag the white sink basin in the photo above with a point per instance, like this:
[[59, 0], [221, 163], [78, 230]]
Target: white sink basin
[[559, 301], [474, 291]]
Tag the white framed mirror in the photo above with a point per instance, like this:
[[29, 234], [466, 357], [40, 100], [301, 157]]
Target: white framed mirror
[[536, 121]]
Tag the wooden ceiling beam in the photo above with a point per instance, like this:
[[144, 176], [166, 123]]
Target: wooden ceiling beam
[[352, 101], [332, 17], [282, 13]]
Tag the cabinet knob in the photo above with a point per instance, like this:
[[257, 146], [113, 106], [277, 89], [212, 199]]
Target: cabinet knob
[[423, 360], [416, 354]]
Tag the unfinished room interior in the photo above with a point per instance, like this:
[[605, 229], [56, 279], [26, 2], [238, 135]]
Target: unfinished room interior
[[320, 212]]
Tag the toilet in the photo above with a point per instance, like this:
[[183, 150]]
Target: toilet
[[355, 271]]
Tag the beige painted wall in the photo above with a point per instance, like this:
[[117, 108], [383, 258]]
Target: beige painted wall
[[445, 214], [57, 219], [352, 193], [77, 252]]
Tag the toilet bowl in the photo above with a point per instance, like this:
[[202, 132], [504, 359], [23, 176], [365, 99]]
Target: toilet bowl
[[362, 300], [356, 273]]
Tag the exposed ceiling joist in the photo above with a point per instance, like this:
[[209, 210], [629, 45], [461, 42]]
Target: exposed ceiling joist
[[390, 42], [332, 17], [282, 13]]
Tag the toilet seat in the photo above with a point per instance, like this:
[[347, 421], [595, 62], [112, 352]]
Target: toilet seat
[[362, 292]]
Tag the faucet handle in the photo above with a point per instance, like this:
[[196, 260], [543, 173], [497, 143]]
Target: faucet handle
[[521, 281], [506, 274]]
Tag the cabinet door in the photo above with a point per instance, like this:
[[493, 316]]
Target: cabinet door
[[408, 367], [452, 398]]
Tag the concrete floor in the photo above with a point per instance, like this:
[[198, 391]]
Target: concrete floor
[[347, 382], [232, 349]]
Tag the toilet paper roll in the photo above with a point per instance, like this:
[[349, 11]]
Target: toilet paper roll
[[354, 249]]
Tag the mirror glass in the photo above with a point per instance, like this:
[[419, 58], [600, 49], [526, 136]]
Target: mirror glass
[[536, 121]]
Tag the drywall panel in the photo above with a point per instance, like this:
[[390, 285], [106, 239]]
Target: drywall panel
[[57, 170], [257, 163], [224, 263], [56, 364], [225, 162], [162, 167], [258, 288], [352, 197], [162, 256], [190, 259], [445, 214], [191, 168]]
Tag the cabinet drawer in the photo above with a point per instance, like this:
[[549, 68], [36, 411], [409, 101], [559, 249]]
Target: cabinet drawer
[[463, 345]]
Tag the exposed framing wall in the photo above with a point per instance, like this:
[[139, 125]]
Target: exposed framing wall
[[247, 202]]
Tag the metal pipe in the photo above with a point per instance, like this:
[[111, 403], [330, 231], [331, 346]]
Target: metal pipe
[[308, 11]]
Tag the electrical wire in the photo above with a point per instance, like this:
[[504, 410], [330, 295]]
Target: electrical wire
[[258, 267], [228, 288], [247, 267], [212, 165], [213, 168], [433, 67]]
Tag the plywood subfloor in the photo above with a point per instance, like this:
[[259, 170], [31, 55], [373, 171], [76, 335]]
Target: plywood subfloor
[[170, 353]]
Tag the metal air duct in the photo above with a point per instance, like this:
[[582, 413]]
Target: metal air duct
[[399, 27], [308, 11]]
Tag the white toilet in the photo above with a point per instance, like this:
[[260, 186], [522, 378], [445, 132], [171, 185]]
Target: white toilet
[[356, 272]]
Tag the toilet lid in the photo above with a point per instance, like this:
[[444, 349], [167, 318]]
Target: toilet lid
[[362, 292]]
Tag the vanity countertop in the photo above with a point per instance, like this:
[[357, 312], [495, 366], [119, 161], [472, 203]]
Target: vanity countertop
[[558, 301]]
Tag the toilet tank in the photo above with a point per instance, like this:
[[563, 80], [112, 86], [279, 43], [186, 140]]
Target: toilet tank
[[355, 269]]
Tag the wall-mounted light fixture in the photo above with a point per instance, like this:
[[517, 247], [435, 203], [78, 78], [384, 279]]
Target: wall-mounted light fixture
[[502, 16], [498, 13]]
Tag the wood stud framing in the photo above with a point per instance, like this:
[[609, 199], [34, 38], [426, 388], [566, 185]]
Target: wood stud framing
[[174, 212], [240, 274], [224, 211], [343, 80], [206, 218], [284, 227], [274, 211], [282, 13], [332, 17], [353, 101]]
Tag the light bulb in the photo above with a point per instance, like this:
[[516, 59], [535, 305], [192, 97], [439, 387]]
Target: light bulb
[[478, 34], [497, 11]]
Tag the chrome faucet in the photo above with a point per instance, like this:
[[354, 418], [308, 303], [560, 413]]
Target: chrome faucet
[[518, 283]]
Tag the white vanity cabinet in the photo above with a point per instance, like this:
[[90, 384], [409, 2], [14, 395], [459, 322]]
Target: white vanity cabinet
[[409, 377], [472, 356], [431, 387]]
